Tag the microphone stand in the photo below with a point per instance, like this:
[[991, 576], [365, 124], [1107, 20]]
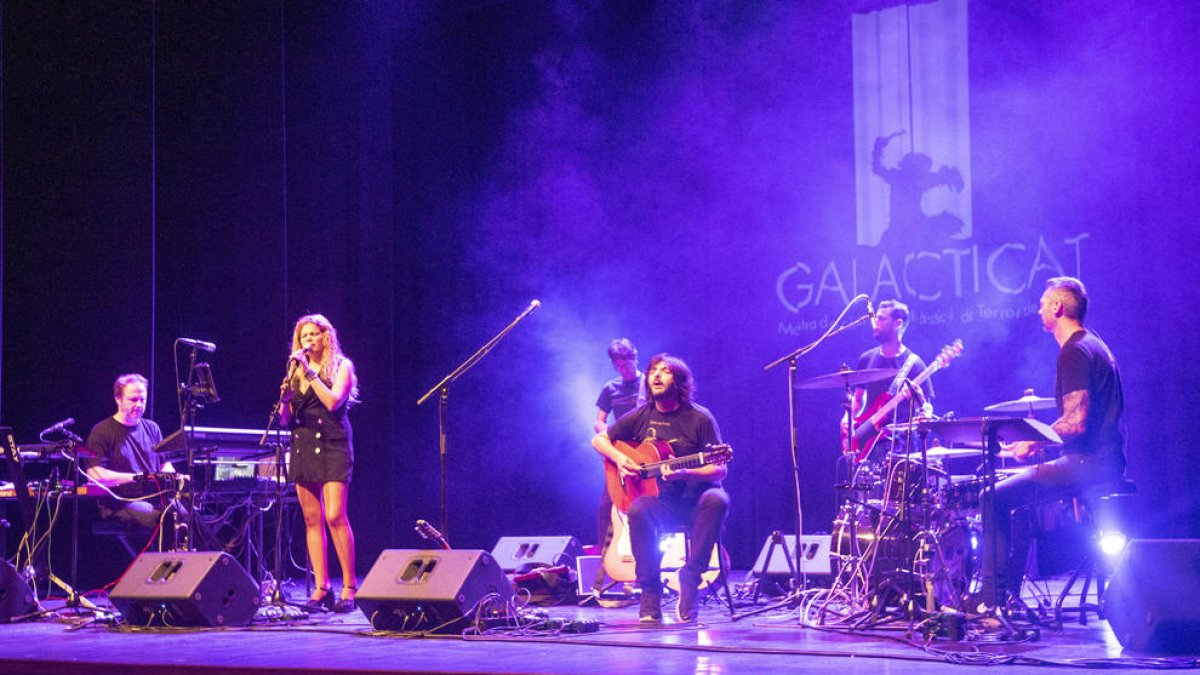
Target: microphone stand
[[799, 574], [187, 420], [443, 390], [276, 585]]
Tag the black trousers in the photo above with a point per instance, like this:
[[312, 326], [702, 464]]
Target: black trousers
[[1068, 476], [650, 517]]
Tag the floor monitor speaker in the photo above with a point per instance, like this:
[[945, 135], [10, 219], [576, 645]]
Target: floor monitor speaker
[[187, 588], [1153, 600], [439, 591]]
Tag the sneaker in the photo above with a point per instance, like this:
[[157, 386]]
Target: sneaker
[[651, 608], [689, 585]]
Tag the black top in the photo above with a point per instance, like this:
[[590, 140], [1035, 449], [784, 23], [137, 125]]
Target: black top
[[874, 358], [322, 441], [123, 448], [1085, 363], [688, 430], [620, 397]]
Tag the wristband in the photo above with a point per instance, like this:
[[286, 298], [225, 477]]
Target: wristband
[[310, 374]]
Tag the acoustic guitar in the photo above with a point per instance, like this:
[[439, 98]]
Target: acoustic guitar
[[653, 456], [619, 563]]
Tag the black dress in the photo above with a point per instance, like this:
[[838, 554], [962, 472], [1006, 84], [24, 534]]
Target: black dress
[[322, 450]]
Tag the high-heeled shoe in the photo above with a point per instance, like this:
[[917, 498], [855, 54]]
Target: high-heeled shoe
[[346, 605], [324, 603]]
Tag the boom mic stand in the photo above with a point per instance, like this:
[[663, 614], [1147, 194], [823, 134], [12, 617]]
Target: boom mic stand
[[443, 390], [791, 359]]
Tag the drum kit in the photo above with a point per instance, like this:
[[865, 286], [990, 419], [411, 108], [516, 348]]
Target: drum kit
[[910, 528]]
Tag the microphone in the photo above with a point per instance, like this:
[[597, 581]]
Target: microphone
[[58, 426], [533, 304], [870, 309], [198, 344], [293, 361]]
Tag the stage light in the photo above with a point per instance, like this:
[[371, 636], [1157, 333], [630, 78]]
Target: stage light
[[1111, 543]]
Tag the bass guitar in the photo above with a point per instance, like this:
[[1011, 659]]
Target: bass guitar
[[869, 425]]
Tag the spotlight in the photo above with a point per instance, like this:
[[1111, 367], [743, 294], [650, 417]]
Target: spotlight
[[1112, 543]]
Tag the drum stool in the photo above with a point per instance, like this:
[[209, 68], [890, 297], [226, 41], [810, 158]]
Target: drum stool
[[1106, 505]]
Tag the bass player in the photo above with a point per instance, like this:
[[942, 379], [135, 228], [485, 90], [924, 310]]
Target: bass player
[[888, 328]]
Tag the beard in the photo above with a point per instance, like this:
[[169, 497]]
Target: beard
[[668, 394]]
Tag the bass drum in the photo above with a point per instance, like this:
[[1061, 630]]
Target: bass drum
[[853, 532], [952, 563], [870, 537]]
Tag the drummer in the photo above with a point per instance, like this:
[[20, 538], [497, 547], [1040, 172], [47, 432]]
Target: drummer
[[888, 328]]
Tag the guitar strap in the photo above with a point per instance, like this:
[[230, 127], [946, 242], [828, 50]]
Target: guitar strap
[[902, 375]]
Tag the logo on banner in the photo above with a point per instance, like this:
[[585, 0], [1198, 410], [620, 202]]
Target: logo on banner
[[915, 236]]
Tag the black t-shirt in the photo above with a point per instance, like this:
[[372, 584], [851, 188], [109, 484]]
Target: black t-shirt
[[620, 397], [123, 448], [1085, 363], [874, 358], [687, 430]]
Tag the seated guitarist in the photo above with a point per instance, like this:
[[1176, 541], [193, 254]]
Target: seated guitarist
[[688, 497], [891, 322]]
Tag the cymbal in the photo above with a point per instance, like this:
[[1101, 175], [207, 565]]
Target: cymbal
[[896, 427], [1027, 403], [943, 453], [847, 378]]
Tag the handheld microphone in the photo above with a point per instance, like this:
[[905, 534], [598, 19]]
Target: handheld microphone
[[58, 426], [198, 344], [293, 362]]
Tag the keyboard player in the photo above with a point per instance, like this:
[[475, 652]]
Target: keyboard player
[[123, 446]]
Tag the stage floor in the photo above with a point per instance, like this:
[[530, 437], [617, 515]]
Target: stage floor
[[769, 642]]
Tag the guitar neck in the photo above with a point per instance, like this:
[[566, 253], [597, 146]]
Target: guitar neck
[[654, 470], [868, 427]]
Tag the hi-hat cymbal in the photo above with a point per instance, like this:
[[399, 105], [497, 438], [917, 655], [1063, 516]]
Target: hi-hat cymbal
[[939, 452], [1027, 403], [847, 378]]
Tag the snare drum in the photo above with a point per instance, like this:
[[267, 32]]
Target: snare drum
[[962, 493]]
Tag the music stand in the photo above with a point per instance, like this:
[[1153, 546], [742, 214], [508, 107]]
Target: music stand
[[192, 394]]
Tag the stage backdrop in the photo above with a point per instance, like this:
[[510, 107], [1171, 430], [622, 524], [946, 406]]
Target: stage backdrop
[[716, 180]]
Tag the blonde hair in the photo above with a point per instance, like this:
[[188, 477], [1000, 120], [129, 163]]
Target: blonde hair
[[331, 352]]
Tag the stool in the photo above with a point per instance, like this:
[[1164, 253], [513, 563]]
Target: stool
[[674, 560], [119, 530], [1097, 504]]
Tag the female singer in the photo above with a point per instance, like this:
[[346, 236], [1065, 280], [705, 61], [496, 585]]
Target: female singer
[[321, 387]]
